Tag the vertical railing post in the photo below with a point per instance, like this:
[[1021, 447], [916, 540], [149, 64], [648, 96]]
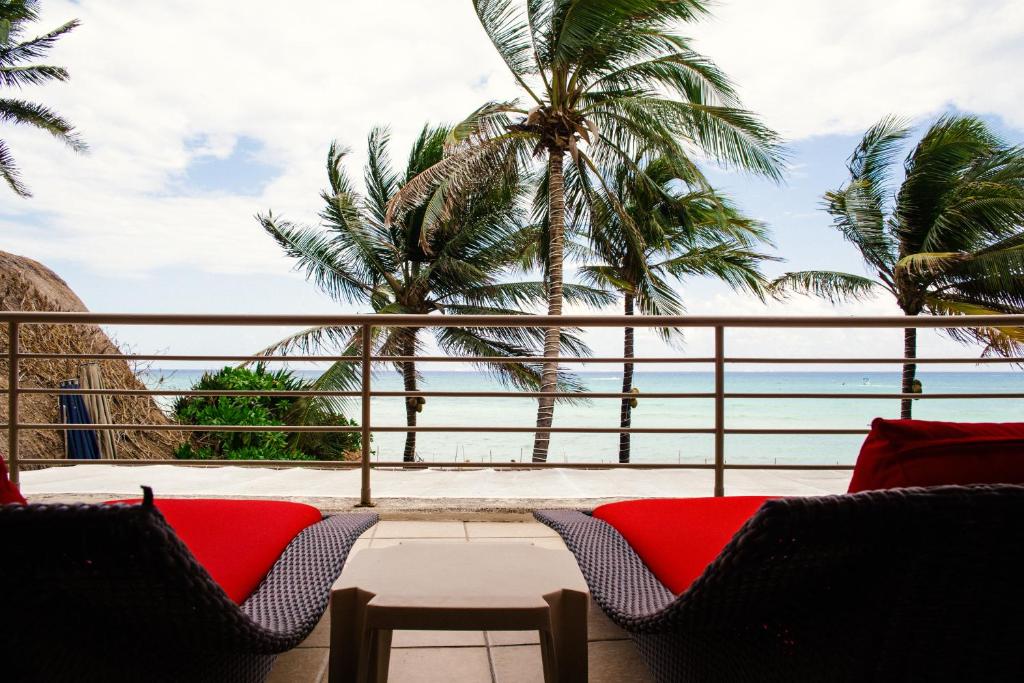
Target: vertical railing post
[[12, 400], [364, 492], [719, 410]]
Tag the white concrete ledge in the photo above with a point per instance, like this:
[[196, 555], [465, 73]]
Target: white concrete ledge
[[564, 484]]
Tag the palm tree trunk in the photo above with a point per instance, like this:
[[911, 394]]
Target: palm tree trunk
[[549, 373], [409, 378], [625, 414], [909, 371]]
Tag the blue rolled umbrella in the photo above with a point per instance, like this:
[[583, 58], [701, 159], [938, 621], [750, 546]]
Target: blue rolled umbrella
[[82, 443]]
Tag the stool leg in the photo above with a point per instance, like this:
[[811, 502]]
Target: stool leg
[[348, 623], [549, 658], [380, 656], [568, 610]]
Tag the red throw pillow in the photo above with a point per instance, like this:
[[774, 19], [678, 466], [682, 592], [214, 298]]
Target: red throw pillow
[[678, 537], [9, 493], [236, 541], [900, 453]]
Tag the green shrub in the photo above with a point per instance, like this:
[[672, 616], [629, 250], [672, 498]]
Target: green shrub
[[260, 411]]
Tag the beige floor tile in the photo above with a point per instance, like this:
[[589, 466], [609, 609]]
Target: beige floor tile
[[504, 638], [519, 664], [397, 529], [387, 542], [438, 639], [615, 661], [434, 665], [301, 665], [600, 627], [507, 539], [508, 530], [555, 543], [360, 544], [321, 635]]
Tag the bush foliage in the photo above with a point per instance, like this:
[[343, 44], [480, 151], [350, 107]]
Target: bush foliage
[[260, 411]]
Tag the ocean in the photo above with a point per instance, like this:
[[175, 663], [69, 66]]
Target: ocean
[[688, 448]]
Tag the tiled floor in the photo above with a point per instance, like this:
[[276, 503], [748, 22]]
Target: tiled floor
[[468, 656]]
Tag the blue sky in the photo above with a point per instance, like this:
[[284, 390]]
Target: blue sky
[[188, 144]]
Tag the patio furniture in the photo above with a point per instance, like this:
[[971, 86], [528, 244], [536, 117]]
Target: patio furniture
[[890, 584], [453, 586], [120, 592], [9, 493]]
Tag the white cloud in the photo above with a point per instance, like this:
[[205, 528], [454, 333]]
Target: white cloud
[[814, 67], [156, 85]]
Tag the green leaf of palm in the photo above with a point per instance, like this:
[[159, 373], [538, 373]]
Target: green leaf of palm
[[14, 73], [830, 285]]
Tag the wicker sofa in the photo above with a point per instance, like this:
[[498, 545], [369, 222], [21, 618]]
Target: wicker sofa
[[111, 593], [898, 584]]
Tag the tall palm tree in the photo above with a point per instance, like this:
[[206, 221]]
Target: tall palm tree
[[603, 79], [397, 269], [949, 242], [15, 15], [681, 230]]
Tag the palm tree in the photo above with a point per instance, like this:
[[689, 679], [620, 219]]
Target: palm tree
[[681, 230], [604, 79], [397, 268], [14, 52], [949, 242]]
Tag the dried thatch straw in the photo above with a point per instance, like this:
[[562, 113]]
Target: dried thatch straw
[[26, 285]]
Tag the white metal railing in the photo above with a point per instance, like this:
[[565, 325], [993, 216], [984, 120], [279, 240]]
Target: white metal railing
[[15, 320]]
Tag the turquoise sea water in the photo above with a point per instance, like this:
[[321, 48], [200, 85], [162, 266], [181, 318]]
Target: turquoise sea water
[[740, 413]]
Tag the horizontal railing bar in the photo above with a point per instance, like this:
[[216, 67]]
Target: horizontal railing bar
[[749, 466], [486, 464], [517, 359], [537, 359], [537, 394], [39, 426], [398, 464], [506, 394], [187, 392], [355, 359], [178, 357], [326, 464], [42, 426], [872, 396], [553, 430], [378, 320], [767, 432], [849, 361], [373, 394]]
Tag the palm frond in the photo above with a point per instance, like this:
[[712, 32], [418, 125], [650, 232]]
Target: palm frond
[[314, 340], [830, 285], [41, 117], [13, 53], [381, 181], [10, 173], [1001, 341], [21, 76], [509, 31], [946, 152], [320, 257]]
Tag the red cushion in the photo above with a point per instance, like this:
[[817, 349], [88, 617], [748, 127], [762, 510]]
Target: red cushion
[[678, 537], [9, 493], [899, 453], [236, 541]]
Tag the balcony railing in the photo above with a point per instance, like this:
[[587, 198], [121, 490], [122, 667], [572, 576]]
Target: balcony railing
[[720, 361]]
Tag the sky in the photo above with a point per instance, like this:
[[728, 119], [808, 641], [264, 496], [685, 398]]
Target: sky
[[201, 114]]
